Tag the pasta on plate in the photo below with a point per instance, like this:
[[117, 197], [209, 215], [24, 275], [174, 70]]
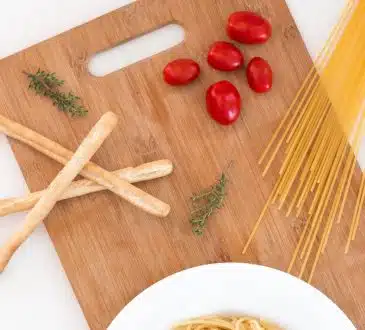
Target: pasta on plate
[[225, 323]]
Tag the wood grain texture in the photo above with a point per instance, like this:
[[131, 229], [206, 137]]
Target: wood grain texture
[[111, 251]]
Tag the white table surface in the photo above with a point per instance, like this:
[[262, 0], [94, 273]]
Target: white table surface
[[34, 290]]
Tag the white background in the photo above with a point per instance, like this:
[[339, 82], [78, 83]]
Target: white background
[[34, 291]]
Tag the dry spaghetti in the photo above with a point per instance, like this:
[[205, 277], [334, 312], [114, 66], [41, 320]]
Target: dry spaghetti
[[225, 323], [321, 134]]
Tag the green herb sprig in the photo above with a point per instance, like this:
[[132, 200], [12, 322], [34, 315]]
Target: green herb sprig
[[206, 203], [47, 84]]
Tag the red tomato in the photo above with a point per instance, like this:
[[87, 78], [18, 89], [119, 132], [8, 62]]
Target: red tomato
[[225, 56], [259, 75], [223, 102], [181, 72], [248, 28]]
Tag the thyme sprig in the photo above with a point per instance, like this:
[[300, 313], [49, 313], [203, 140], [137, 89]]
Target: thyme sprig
[[47, 84], [205, 203]]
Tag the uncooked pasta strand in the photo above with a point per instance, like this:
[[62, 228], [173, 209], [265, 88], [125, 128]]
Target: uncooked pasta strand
[[318, 202], [307, 85], [303, 155], [319, 163], [338, 162], [302, 150], [334, 210], [299, 245], [357, 213], [258, 222], [357, 223]]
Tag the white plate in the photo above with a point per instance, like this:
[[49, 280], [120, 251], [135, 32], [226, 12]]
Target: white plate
[[232, 288]]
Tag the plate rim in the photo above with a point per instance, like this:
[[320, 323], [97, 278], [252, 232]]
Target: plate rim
[[231, 264]]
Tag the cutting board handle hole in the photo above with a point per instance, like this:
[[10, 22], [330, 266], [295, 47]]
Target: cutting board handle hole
[[135, 50]]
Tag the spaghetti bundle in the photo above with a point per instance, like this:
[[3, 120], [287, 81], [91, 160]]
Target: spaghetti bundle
[[225, 323], [321, 135]]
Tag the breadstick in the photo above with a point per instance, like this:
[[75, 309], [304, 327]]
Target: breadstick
[[58, 186], [140, 173], [91, 171]]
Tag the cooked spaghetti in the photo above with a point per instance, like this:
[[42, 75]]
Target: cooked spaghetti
[[321, 135], [225, 323]]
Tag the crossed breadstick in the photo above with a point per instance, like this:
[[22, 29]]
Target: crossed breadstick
[[144, 172], [91, 171], [74, 164]]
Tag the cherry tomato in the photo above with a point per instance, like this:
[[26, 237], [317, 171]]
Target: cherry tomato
[[259, 75], [181, 72], [225, 56], [248, 28], [223, 102]]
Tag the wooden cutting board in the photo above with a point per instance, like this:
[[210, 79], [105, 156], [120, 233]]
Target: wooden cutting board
[[112, 251]]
